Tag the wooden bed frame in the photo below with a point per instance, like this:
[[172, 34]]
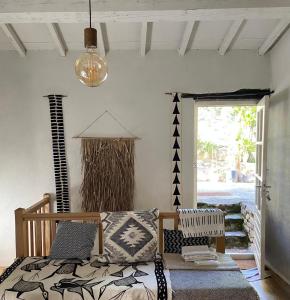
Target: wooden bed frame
[[35, 227]]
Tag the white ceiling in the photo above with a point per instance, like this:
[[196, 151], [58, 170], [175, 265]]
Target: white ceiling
[[254, 33], [204, 25], [208, 35]]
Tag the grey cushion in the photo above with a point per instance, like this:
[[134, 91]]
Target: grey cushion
[[130, 236], [73, 240], [211, 285]]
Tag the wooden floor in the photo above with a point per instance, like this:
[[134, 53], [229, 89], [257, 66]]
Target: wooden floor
[[271, 288]]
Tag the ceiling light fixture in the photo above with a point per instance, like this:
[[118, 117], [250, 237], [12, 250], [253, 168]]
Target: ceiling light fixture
[[91, 68]]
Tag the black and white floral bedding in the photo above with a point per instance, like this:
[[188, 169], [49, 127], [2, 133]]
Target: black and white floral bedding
[[37, 278]]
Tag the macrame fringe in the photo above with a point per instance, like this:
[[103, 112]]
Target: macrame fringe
[[108, 168]]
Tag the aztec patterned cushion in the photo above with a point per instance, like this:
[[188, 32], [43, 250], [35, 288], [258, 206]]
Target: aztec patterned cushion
[[73, 240], [174, 241], [130, 236]]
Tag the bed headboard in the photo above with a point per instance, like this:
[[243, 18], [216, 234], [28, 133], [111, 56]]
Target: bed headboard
[[35, 227]]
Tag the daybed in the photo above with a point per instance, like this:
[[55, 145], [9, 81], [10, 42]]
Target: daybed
[[35, 231]]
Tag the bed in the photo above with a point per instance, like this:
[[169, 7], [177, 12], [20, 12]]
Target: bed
[[35, 230]]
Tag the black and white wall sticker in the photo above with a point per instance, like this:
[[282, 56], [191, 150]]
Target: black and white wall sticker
[[176, 152], [59, 153]]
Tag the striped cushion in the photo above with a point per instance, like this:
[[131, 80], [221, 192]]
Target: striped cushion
[[174, 241]]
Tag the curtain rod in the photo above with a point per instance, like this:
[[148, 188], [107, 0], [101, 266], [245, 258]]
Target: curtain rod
[[106, 138], [242, 94]]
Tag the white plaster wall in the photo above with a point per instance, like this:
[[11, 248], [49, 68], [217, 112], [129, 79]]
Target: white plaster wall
[[134, 92], [278, 212]]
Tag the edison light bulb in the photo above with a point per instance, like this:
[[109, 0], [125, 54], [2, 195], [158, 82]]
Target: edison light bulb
[[91, 68]]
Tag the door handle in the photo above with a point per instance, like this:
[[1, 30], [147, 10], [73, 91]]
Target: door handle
[[267, 193], [268, 197], [265, 186]]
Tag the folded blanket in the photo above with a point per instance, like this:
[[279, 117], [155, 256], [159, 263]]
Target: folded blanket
[[207, 262], [185, 250], [198, 253], [201, 222], [200, 257], [174, 261], [39, 278]]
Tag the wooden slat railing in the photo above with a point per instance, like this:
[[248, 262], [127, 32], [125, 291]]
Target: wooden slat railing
[[41, 205], [35, 227], [33, 236]]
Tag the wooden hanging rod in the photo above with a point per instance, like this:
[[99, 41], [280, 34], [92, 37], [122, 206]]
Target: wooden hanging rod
[[57, 95], [133, 137], [171, 93], [106, 138]]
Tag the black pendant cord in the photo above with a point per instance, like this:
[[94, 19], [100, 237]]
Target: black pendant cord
[[90, 9], [59, 153]]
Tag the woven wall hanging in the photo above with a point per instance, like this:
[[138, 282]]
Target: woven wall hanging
[[108, 170]]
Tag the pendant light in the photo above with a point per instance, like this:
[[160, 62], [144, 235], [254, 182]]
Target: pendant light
[[91, 68]]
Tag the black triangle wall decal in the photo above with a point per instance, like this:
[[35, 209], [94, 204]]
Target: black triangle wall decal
[[176, 202], [176, 180], [176, 110], [176, 132], [176, 99], [176, 191], [176, 144], [176, 121], [176, 168], [176, 156]]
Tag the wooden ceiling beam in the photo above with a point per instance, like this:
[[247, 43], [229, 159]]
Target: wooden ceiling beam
[[144, 40], [148, 16], [274, 36], [230, 36], [14, 39], [15, 6], [188, 31], [101, 38], [57, 38]]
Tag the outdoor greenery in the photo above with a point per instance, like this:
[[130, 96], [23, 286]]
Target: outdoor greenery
[[246, 117], [206, 149], [214, 153]]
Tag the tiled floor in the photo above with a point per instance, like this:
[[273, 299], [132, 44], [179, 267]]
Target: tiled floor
[[245, 264]]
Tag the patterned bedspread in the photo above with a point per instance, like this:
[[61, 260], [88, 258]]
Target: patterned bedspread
[[37, 278]]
